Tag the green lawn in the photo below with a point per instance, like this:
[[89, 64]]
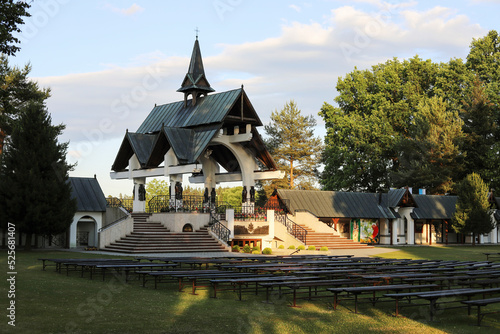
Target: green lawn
[[48, 302]]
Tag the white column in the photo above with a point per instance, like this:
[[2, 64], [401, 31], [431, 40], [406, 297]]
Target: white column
[[411, 231], [72, 233], [139, 206], [268, 241], [230, 221], [395, 224]]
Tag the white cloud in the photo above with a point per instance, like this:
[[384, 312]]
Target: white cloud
[[133, 9], [295, 8], [302, 63]]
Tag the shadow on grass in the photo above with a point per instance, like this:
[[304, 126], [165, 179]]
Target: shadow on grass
[[49, 302]]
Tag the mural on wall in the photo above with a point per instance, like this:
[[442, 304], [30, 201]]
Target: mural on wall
[[251, 228], [365, 230]]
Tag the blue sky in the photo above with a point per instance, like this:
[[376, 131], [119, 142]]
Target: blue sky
[[109, 62]]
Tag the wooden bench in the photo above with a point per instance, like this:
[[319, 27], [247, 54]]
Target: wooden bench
[[482, 302], [492, 255], [432, 297], [356, 291], [296, 285]]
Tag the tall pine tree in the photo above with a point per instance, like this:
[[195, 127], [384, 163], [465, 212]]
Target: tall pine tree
[[34, 176], [293, 146], [16, 90], [472, 214]]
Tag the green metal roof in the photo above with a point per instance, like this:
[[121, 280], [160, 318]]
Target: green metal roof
[[434, 207], [88, 194], [208, 110], [336, 204]]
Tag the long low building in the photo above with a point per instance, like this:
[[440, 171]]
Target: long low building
[[397, 217]]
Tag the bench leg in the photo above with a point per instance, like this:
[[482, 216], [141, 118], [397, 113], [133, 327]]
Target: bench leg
[[478, 316]]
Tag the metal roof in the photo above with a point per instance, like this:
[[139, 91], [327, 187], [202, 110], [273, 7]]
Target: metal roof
[[208, 110], [195, 78], [434, 207], [142, 145], [189, 144], [88, 194], [336, 204]]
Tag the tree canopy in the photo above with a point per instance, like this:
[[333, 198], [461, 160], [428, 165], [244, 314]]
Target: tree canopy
[[415, 122], [11, 14]]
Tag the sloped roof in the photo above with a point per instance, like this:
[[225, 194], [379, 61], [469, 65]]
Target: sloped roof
[[189, 130], [434, 207], [337, 204], [88, 194], [210, 109]]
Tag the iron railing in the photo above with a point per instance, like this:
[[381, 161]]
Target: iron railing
[[114, 202], [249, 212], [217, 228], [292, 227], [165, 203]]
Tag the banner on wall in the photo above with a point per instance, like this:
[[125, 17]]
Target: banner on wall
[[365, 230]]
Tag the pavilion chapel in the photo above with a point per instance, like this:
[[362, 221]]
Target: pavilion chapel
[[210, 136]]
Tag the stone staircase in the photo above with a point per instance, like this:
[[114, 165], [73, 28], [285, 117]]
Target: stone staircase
[[153, 237], [331, 240]]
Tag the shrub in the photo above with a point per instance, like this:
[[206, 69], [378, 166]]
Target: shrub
[[255, 252], [236, 248], [255, 248], [301, 247], [324, 249], [247, 249], [291, 247], [267, 251], [281, 247], [311, 248]]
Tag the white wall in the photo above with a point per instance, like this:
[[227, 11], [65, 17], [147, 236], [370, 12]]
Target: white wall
[[116, 232], [175, 221], [98, 218]]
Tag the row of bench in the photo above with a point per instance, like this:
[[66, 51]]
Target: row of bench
[[344, 278]]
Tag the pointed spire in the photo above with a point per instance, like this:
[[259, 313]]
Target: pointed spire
[[195, 82]]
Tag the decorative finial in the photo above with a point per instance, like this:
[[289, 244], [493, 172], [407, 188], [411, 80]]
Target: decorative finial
[[197, 31], [241, 86]]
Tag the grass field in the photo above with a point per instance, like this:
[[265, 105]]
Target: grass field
[[48, 302]]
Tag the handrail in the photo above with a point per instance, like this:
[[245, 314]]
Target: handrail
[[292, 227], [216, 227], [114, 223]]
